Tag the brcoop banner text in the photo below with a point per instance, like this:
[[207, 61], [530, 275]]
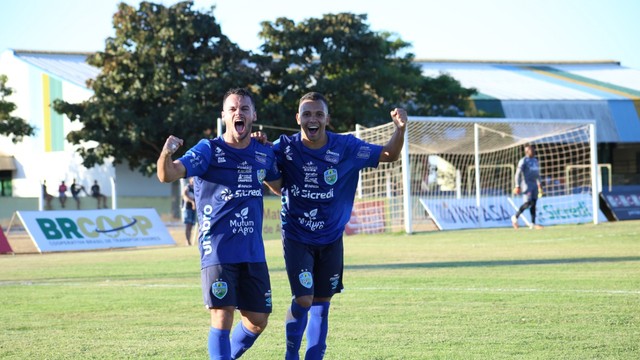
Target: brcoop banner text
[[95, 229], [496, 211]]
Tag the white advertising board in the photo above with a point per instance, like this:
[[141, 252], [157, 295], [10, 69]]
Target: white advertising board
[[451, 214], [95, 229]]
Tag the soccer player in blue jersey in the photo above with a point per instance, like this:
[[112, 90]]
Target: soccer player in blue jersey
[[319, 179], [229, 172], [528, 183]]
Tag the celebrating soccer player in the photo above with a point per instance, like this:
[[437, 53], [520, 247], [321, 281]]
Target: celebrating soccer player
[[319, 179], [528, 183], [229, 172]]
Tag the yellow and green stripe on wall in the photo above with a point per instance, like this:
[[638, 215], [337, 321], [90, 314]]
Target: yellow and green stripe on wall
[[53, 125]]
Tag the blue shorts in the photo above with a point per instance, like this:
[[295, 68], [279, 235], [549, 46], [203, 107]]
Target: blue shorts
[[245, 286], [314, 269], [189, 216]]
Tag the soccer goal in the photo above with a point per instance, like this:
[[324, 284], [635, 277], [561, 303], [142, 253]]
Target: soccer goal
[[459, 173]]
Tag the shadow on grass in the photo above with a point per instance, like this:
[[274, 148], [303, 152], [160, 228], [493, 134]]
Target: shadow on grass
[[492, 263]]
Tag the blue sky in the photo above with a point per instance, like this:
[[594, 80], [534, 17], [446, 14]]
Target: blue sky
[[446, 29]]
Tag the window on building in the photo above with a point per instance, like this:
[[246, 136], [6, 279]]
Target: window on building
[[5, 182]]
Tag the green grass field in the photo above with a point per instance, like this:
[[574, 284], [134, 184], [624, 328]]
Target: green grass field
[[565, 292]]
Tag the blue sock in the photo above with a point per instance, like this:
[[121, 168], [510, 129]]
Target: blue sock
[[317, 330], [241, 340], [294, 328], [219, 346]]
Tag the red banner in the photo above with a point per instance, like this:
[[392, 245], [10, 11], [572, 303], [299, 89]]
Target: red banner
[[367, 217], [4, 244]]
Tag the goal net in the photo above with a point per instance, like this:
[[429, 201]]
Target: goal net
[[460, 173]]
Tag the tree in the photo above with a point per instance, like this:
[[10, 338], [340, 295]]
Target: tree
[[14, 127], [362, 73], [163, 73]]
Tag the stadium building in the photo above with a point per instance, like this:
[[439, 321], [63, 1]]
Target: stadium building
[[603, 91], [38, 79]]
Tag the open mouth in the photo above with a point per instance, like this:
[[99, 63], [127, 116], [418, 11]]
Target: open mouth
[[313, 129], [239, 126]]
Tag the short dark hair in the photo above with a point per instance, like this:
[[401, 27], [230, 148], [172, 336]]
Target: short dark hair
[[244, 92], [314, 96]]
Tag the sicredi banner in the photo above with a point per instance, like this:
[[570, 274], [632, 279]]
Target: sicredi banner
[[565, 209], [95, 229], [450, 214]]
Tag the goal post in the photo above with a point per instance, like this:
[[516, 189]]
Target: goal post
[[457, 173]]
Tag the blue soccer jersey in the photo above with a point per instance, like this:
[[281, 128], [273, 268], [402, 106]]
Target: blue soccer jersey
[[228, 194], [318, 186], [528, 174]]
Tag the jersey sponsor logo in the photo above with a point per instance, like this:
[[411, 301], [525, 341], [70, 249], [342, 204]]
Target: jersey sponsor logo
[[261, 157], [288, 152], [262, 174], [306, 279], [206, 229], [334, 280], [195, 160], [331, 176], [332, 157], [241, 225], [219, 154], [267, 298], [309, 167], [308, 194], [245, 178], [309, 220], [364, 152], [227, 194], [310, 175], [219, 289], [244, 168]]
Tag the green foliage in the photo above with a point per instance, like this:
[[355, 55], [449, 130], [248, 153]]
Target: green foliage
[[162, 73], [12, 126], [363, 73]]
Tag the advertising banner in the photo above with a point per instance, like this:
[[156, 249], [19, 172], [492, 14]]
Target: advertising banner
[[5, 248], [367, 217], [450, 214], [565, 209], [94, 229], [624, 205]]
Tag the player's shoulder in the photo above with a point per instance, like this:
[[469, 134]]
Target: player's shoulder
[[259, 147], [341, 139], [282, 140]]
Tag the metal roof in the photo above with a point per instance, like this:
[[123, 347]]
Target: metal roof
[[68, 66], [606, 80]]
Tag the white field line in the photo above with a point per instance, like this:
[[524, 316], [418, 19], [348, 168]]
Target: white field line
[[386, 288]]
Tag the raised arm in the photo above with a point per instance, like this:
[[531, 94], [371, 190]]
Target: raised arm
[[391, 151], [170, 170]]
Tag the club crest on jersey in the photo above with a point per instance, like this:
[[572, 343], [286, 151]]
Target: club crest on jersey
[[331, 176], [306, 279], [262, 173], [219, 289]]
